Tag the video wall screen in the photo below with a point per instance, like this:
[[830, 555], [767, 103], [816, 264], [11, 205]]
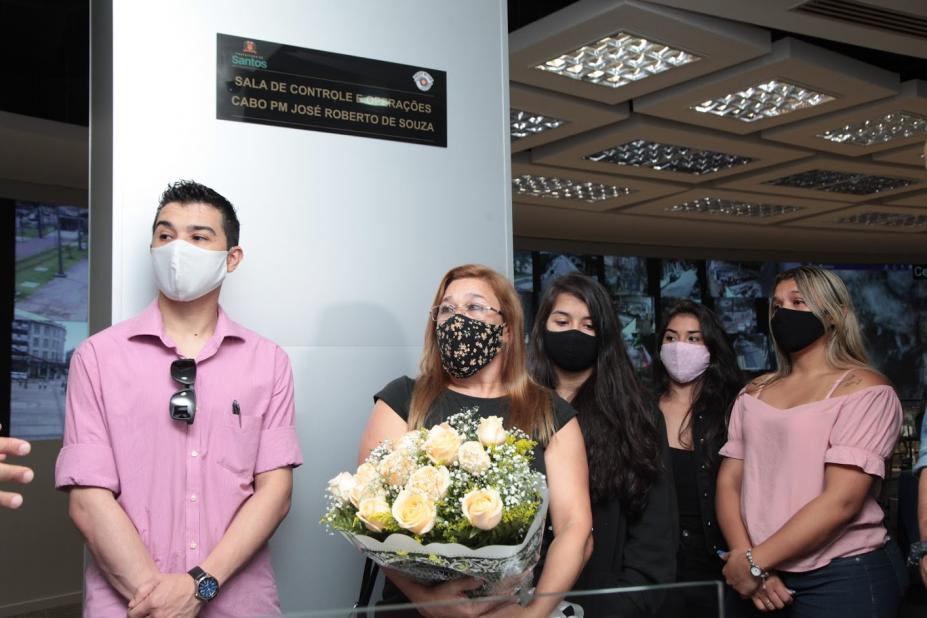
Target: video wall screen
[[49, 313], [891, 304]]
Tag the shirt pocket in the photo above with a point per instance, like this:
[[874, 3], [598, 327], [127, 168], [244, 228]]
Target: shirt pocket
[[237, 446]]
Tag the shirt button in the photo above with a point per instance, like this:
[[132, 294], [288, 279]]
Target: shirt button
[[701, 439], [705, 494], [708, 523], [193, 498], [195, 453], [193, 545], [704, 466]]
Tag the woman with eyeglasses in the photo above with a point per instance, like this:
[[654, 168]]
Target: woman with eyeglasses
[[576, 348], [474, 357], [804, 461], [696, 378]]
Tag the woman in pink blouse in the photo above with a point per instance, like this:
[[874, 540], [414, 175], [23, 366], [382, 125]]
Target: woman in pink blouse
[[804, 461]]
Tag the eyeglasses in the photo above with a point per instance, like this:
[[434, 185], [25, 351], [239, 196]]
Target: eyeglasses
[[183, 402], [442, 313]]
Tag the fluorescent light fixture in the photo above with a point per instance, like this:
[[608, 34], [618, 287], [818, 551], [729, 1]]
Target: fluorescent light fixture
[[731, 208], [894, 125], [617, 60], [566, 189], [842, 182], [524, 124], [765, 100], [889, 219], [668, 157]]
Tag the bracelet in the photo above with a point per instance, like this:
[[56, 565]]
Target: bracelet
[[756, 570]]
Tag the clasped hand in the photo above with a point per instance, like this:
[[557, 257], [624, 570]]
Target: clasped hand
[[768, 595], [169, 595]]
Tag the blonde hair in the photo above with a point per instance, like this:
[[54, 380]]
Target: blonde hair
[[829, 300], [530, 404]]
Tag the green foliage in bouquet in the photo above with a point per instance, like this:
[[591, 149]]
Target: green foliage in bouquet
[[468, 481]]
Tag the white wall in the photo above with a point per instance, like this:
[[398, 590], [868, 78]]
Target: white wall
[[345, 238]]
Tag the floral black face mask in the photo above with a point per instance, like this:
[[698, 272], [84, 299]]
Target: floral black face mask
[[467, 345]]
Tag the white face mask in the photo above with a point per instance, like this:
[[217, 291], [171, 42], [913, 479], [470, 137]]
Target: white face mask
[[684, 361], [185, 272]]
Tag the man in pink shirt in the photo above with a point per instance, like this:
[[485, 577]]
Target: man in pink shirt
[[179, 439]]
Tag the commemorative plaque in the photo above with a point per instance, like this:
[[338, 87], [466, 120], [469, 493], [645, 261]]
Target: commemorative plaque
[[294, 87]]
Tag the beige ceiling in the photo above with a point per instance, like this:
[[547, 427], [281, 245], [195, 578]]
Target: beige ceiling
[[668, 167]]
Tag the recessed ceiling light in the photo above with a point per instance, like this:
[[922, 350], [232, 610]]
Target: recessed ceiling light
[[523, 124], [893, 125], [766, 100], [617, 60], [842, 182], [668, 157], [731, 208], [889, 219], [566, 189]]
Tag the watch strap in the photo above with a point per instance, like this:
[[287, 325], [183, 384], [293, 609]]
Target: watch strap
[[196, 573], [918, 551], [764, 574]]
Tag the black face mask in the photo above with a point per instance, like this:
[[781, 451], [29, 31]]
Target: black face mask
[[467, 345], [795, 330], [570, 350]]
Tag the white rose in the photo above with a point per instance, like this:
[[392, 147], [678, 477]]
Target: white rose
[[396, 468], [431, 481], [442, 444], [491, 432], [482, 508], [414, 511], [365, 473], [473, 458], [375, 513], [362, 491], [341, 485]]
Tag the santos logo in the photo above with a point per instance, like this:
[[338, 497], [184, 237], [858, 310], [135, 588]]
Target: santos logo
[[249, 56]]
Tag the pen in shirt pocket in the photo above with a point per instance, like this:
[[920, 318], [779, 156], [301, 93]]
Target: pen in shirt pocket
[[236, 410]]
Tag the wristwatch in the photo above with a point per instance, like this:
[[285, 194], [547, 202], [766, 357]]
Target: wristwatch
[[756, 570], [918, 551], [207, 586]]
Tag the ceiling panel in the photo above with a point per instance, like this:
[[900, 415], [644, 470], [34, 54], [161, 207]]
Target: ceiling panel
[[580, 189], [653, 47], [652, 148], [576, 115], [794, 82], [890, 123], [720, 206], [830, 178], [870, 219]]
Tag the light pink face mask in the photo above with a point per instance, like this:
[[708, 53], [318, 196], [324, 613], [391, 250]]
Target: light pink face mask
[[684, 361]]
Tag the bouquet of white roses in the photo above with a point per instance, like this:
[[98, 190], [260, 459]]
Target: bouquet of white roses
[[459, 499]]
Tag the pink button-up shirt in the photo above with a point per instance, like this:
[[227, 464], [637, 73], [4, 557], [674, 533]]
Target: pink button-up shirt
[[181, 485], [785, 453]]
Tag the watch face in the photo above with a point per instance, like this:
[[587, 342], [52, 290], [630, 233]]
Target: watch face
[[207, 588], [756, 571]]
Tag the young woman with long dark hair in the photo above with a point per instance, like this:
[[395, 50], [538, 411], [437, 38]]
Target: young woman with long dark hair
[[474, 357], [576, 349], [804, 462], [696, 378]]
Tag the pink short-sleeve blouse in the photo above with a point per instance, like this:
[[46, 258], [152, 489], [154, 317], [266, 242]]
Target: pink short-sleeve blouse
[[785, 451]]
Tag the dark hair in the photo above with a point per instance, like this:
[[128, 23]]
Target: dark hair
[[189, 192], [717, 387], [616, 417]]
